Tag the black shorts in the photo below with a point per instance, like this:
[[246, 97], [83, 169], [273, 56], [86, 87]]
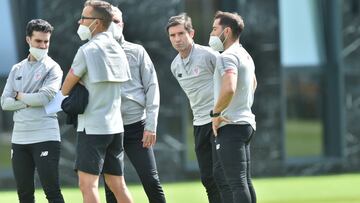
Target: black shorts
[[96, 154]]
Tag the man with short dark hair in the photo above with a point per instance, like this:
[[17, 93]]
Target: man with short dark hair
[[101, 65], [31, 85], [233, 122], [193, 68]]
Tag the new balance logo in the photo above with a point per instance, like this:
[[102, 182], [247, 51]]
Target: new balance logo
[[44, 153], [217, 146]]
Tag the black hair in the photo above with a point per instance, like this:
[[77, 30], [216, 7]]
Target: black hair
[[39, 25]]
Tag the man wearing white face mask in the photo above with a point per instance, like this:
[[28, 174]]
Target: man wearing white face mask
[[31, 84], [102, 67], [233, 122], [216, 43], [193, 68], [140, 99]]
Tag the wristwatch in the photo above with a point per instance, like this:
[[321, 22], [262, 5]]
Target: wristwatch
[[213, 115]]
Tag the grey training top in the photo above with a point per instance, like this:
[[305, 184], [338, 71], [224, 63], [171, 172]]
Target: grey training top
[[140, 96], [39, 81], [238, 60], [101, 116], [195, 76]]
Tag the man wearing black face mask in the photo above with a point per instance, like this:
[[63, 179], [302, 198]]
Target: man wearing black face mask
[[31, 84], [101, 65]]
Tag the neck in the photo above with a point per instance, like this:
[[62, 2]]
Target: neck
[[230, 42], [97, 31], [185, 53], [31, 58]]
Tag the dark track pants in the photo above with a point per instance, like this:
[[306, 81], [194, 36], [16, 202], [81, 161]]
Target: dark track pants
[[43, 156], [212, 176], [233, 150], [143, 160]]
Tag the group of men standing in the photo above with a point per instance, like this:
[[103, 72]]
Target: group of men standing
[[123, 108], [220, 88]]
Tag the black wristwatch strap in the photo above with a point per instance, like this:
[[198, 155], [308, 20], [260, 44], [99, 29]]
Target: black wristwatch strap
[[213, 115]]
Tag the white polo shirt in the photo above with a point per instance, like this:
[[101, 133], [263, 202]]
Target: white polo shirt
[[237, 59], [195, 76]]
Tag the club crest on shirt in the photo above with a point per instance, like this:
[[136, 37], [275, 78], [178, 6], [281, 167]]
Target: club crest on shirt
[[196, 71], [37, 76]]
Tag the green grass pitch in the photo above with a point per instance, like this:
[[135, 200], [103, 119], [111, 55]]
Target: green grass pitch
[[312, 189]]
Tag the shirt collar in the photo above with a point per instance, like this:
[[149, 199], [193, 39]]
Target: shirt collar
[[187, 59]]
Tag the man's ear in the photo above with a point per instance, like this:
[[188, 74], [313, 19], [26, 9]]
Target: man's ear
[[192, 33], [227, 31], [27, 38], [96, 23], [100, 25]]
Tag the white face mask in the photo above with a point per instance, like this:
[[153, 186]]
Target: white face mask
[[84, 32], [216, 43], [116, 30], [37, 53]]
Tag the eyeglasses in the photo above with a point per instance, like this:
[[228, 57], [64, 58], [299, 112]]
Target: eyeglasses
[[91, 18]]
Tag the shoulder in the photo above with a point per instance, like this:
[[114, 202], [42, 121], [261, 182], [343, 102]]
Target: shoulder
[[85, 46], [205, 50], [232, 52], [134, 48], [49, 62], [175, 64], [94, 44], [228, 57], [231, 57], [18, 66], [176, 61], [132, 45], [84, 49], [80, 54], [52, 66]]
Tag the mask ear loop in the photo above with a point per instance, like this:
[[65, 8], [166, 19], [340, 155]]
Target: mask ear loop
[[225, 37], [91, 25], [221, 33], [28, 40]]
